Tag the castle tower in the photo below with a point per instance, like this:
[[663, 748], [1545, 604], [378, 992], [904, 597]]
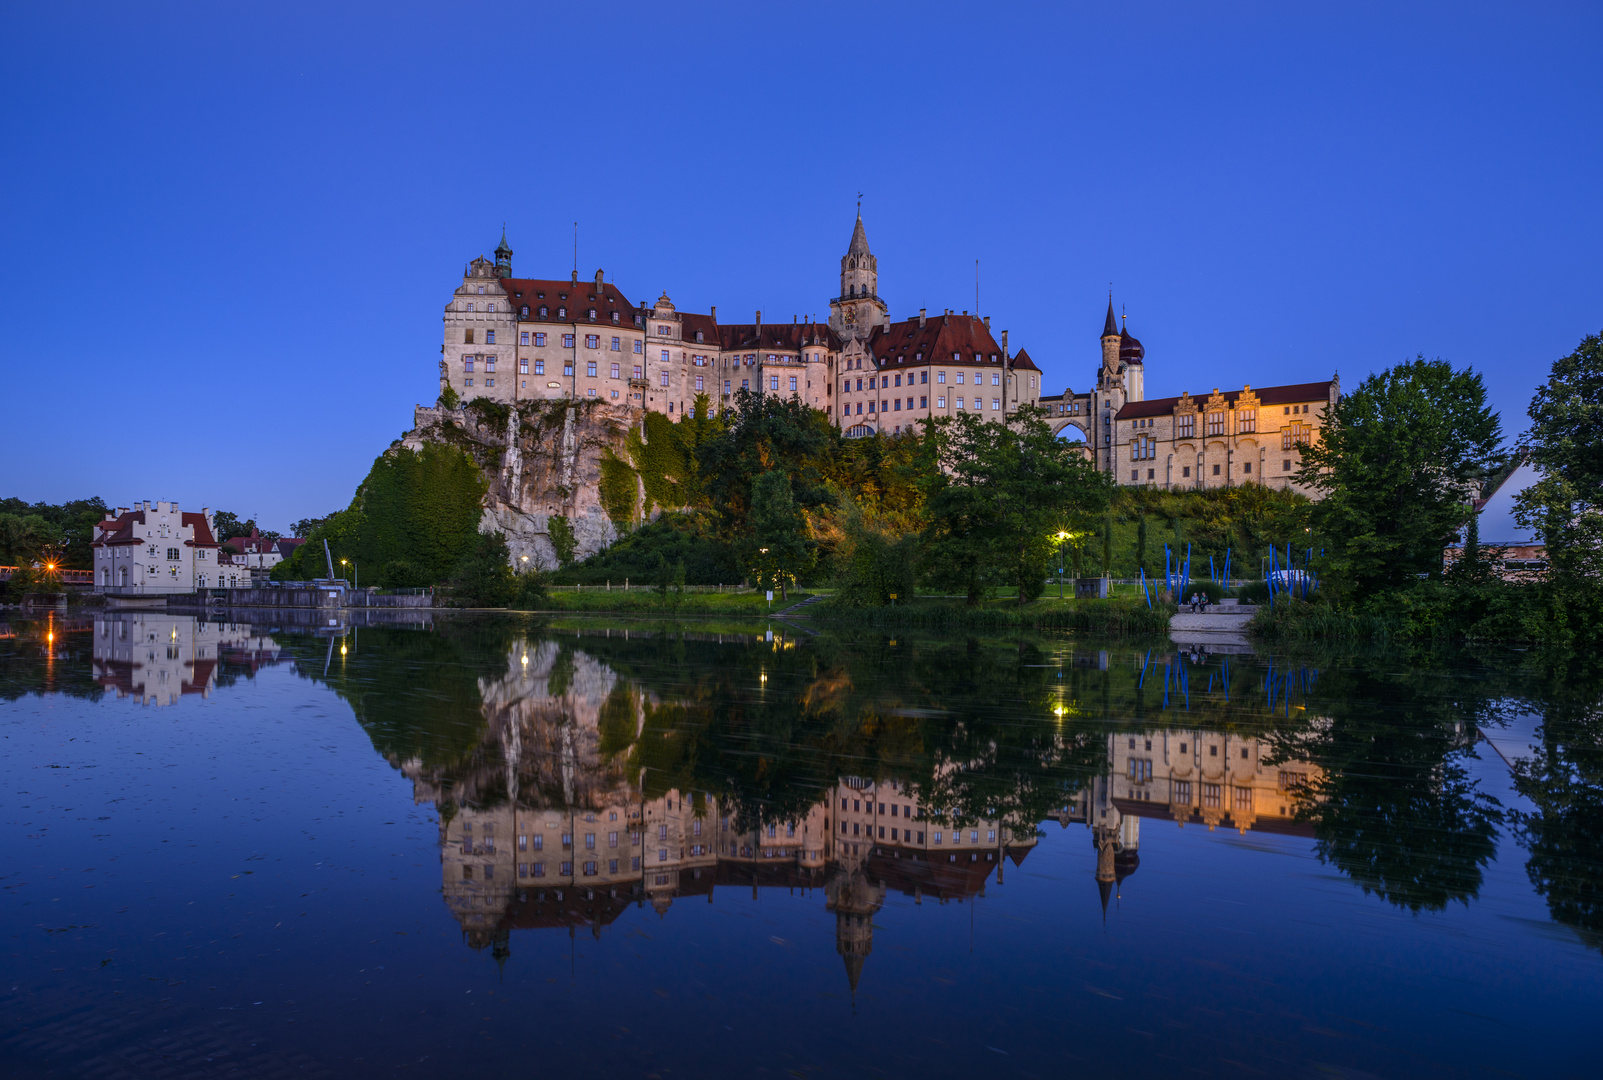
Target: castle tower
[[1132, 359], [1110, 348], [858, 309], [503, 256]]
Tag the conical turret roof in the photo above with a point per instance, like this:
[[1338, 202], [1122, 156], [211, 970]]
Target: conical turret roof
[[1110, 328], [859, 244]]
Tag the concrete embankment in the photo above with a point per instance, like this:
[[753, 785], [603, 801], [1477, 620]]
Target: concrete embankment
[[1222, 628]]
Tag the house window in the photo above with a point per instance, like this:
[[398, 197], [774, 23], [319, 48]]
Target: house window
[[940, 376], [467, 336], [960, 400], [592, 314], [567, 341], [960, 378], [640, 347], [1185, 470], [539, 338], [523, 366], [489, 364], [923, 402], [699, 383], [615, 371], [543, 311], [940, 403], [1285, 466], [1216, 470], [996, 379], [489, 337], [639, 372], [562, 313], [592, 341], [467, 364], [996, 403], [615, 318], [1246, 467]]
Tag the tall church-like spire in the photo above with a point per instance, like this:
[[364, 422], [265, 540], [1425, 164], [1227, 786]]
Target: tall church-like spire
[[1110, 328], [859, 244], [503, 256]]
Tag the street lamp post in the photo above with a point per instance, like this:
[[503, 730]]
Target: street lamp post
[[1061, 537]]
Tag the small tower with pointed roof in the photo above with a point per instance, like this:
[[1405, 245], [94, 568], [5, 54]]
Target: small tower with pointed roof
[[858, 308], [503, 256], [1110, 346]]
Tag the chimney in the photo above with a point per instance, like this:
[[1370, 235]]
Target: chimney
[[576, 277], [794, 320], [987, 322], [921, 314], [600, 282], [715, 313], [759, 321], [1004, 343]]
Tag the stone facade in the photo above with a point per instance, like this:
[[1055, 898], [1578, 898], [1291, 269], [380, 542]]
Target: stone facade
[[1201, 441], [513, 340]]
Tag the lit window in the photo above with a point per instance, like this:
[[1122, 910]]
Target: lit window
[[567, 341], [539, 337]]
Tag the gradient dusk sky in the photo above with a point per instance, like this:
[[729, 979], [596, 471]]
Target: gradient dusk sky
[[229, 230]]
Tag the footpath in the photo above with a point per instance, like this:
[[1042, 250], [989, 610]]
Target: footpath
[[1222, 628]]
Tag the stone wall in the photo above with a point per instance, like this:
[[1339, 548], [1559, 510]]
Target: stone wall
[[542, 458]]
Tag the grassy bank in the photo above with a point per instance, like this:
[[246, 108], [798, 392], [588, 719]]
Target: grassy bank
[[1118, 615], [650, 602]]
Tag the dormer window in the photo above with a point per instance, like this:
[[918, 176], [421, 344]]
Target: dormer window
[[698, 336], [542, 311], [614, 318], [956, 357], [562, 313], [592, 314], [481, 288], [524, 311]]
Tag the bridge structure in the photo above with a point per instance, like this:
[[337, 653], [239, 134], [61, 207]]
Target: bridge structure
[[82, 578]]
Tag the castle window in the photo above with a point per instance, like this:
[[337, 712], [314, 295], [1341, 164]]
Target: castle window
[[615, 371], [1246, 467], [539, 338], [592, 341], [470, 308], [1185, 470], [523, 366], [699, 383], [923, 402], [1285, 466], [663, 331], [562, 313], [793, 384], [617, 344], [523, 337], [1247, 420], [665, 379], [524, 310], [590, 368], [957, 358], [567, 368], [698, 335], [481, 288], [489, 364], [542, 311], [467, 364], [489, 337], [467, 336], [639, 372], [640, 347], [1216, 470], [567, 341], [1216, 423], [996, 378], [940, 376], [1186, 427], [592, 314], [490, 307]]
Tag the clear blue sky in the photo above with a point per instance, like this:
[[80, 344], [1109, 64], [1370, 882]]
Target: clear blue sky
[[229, 231]]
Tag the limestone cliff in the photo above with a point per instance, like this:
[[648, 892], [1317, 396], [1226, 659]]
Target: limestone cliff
[[541, 458]]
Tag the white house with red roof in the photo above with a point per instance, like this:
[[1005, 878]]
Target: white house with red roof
[[156, 549]]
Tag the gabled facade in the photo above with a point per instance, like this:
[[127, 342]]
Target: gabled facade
[[155, 549]]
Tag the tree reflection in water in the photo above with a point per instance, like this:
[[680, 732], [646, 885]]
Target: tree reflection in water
[[578, 772]]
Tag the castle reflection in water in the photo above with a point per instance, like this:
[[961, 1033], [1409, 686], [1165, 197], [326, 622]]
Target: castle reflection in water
[[554, 833]]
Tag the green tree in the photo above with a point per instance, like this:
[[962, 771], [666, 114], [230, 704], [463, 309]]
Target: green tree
[[872, 565], [563, 542], [762, 434], [1565, 507], [995, 495], [484, 576], [1399, 460], [776, 545]]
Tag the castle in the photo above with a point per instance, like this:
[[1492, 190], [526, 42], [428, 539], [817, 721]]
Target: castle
[[512, 339]]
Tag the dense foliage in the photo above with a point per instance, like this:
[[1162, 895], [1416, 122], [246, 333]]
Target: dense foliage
[[63, 531], [1399, 462]]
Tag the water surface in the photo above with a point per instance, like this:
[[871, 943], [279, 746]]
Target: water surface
[[237, 848]]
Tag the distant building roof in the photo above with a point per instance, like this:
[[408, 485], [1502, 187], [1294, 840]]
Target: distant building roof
[[1497, 524]]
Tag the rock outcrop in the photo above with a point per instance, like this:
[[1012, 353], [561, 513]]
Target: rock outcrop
[[542, 459]]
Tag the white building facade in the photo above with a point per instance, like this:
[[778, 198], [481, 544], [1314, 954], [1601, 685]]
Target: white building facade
[[155, 549]]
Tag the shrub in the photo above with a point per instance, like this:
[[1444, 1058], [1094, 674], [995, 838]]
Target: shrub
[[484, 577]]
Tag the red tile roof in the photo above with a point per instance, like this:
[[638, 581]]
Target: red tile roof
[[1022, 362], [203, 530], [706, 325], [790, 337], [1268, 395], [578, 298], [903, 343], [118, 530]]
